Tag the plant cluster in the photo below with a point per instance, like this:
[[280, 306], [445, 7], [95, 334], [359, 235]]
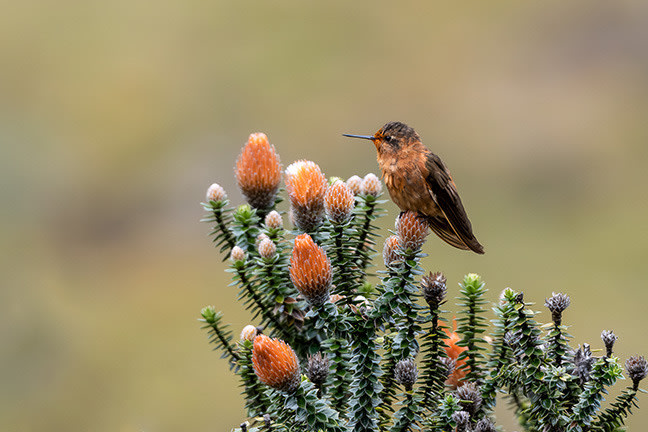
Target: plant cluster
[[330, 351]]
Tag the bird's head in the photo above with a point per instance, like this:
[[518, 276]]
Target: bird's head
[[392, 137]]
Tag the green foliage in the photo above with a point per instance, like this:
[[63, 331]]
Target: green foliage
[[366, 211], [613, 418], [253, 298], [220, 216], [334, 330], [500, 355], [442, 420], [256, 401], [472, 324], [219, 334], [245, 228], [605, 372], [311, 411], [347, 275], [365, 378], [408, 417], [365, 330], [283, 311], [400, 316], [433, 371]]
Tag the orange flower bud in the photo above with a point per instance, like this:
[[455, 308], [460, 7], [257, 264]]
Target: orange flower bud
[[371, 185], [412, 229], [260, 238], [339, 202], [267, 248], [249, 332], [390, 250], [216, 193], [275, 363], [237, 254], [453, 351], [274, 220], [354, 183], [258, 171], [310, 270], [306, 187]]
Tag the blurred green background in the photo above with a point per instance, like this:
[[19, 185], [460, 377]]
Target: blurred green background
[[116, 116]]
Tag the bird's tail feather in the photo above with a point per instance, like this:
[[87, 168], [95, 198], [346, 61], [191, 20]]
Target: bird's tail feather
[[444, 230]]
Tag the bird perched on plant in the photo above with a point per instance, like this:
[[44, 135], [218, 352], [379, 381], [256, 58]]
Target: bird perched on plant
[[418, 180]]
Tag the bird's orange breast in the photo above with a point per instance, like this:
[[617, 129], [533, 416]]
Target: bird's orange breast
[[404, 175]]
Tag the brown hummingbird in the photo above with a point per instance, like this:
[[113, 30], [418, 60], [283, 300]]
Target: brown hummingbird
[[418, 180]]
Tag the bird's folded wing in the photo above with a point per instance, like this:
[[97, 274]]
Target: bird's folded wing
[[444, 193]]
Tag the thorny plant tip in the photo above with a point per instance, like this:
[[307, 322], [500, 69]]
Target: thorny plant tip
[[378, 353]]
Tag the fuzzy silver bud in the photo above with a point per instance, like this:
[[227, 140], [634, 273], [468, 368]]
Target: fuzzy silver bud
[[406, 373], [485, 425], [433, 287], [318, 368], [462, 418], [608, 338], [471, 396], [637, 368], [583, 362], [557, 304]]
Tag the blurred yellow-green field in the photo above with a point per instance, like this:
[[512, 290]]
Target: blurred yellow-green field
[[116, 116]]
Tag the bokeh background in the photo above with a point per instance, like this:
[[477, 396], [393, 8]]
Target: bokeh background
[[116, 116]]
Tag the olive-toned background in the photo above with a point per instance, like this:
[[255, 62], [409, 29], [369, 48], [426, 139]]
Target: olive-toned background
[[116, 116]]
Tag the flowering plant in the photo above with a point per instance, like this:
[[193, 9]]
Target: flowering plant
[[330, 351]]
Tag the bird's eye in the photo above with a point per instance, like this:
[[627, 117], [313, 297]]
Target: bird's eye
[[388, 138]]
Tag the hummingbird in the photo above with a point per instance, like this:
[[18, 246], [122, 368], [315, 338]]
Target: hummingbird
[[419, 181]]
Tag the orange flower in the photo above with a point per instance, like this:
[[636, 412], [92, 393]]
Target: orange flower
[[354, 183], [310, 270], [453, 351], [267, 249], [390, 250], [249, 332], [339, 202], [216, 193], [258, 171], [412, 229], [274, 220], [371, 185], [306, 187], [275, 363]]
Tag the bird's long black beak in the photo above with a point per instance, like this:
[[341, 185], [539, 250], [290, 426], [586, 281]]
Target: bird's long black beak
[[367, 137]]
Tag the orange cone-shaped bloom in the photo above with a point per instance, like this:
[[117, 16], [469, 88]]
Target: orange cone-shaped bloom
[[310, 270], [354, 182], [453, 351], [371, 185], [306, 187], [216, 193], [390, 249], [412, 229], [258, 171], [339, 202], [275, 363]]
